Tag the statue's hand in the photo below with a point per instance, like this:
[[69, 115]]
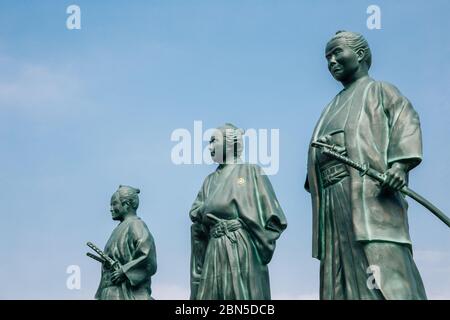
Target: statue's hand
[[118, 276], [396, 178], [197, 214], [206, 220], [327, 139]]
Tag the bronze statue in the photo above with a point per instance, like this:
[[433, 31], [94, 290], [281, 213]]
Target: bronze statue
[[236, 222], [129, 258], [360, 227]]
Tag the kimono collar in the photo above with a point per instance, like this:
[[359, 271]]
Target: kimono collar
[[225, 165], [129, 218], [354, 83]]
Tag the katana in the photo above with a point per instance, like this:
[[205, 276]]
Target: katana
[[93, 256], [105, 258], [365, 169], [115, 265]]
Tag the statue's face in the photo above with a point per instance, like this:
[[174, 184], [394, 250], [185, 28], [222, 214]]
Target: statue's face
[[343, 62], [117, 209], [216, 146]]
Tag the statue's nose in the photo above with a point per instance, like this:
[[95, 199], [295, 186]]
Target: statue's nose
[[332, 61]]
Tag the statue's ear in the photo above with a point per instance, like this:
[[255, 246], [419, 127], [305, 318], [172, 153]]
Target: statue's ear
[[361, 54]]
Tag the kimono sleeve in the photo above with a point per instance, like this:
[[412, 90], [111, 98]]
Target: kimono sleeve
[[143, 263], [262, 213], [197, 207], [405, 136], [199, 240], [306, 185]]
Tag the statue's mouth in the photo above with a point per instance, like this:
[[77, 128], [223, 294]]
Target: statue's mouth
[[336, 69]]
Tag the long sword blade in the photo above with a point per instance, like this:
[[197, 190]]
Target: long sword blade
[[364, 169]]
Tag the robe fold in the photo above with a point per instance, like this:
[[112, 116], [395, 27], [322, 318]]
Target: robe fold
[[233, 265], [357, 226], [382, 128], [132, 245]]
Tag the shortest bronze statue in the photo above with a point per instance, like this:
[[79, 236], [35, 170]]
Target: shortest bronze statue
[[129, 258]]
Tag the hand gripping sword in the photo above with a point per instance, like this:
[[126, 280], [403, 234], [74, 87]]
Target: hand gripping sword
[[104, 258], [364, 169]]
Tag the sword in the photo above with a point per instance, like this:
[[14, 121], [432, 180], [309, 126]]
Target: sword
[[93, 256], [112, 263], [103, 256], [365, 169]]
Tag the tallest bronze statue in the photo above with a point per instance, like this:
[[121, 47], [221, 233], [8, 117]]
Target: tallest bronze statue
[[360, 227]]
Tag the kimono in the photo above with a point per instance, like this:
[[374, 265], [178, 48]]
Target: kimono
[[231, 250], [132, 245], [357, 225]]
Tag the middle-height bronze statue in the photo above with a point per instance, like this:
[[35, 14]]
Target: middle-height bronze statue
[[236, 221], [360, 228]]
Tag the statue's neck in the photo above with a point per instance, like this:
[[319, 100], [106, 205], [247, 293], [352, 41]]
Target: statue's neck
[[227, 162], [129, 215], [361, 73], [355, 79]]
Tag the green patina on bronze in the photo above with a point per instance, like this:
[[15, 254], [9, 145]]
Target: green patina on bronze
[[129, 258], [236, 222], [360, 226]]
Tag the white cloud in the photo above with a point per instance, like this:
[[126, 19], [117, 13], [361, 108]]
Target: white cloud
[[35, 88]]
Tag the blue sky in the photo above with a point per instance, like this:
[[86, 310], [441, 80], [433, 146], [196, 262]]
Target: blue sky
[[82, 111]]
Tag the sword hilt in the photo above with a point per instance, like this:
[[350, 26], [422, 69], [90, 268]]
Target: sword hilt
[[110, 261], [93, 256], [365, 169]]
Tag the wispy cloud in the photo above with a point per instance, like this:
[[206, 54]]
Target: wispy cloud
[[36, 88]]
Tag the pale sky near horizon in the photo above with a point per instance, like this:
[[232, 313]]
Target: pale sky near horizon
[[83, 111]]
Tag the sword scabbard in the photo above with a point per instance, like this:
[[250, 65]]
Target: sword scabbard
[[364, 169]]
